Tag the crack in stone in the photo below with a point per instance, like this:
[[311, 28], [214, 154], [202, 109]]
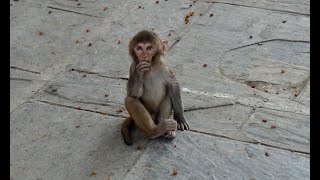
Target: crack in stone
[[241, 5], [21, 79], [88, 72], [209, 107], [74, 12], [268, 40], [80, 109], [303, 86], [21, 69], [247, 141]]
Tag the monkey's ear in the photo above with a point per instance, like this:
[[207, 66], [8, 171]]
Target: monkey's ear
[[164, 44]]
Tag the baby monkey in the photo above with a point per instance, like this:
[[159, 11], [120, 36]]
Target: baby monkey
[[152, 91]]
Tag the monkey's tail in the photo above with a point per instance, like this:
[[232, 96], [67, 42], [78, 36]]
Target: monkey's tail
[[125, 130]]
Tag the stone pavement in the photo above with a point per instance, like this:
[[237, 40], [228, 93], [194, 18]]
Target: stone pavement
[[248, 108]]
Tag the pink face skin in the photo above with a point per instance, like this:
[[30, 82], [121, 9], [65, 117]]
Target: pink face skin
[[145, 51]]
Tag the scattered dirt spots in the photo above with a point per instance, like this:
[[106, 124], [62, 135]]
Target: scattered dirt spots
[[40, 33], [105, 8], [205, 65], [49, 12], [77, 41], [93, 174], [273, 126], [174, 172], [90, 44], [157, 2], [87, 30], [85, 75], [104, 113], [211, 15], [267, 154], [282, 71], [264, 120], [77, 126]]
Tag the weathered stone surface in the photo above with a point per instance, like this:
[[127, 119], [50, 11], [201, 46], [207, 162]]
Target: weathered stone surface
[[86, 91], [224, 120], [267, 68], [50, 142], [304, 96], [196, 156], [294, 6], [21, 90], [38, 42], [290, 130]]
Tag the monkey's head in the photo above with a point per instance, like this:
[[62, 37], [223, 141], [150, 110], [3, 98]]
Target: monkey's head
[[146, 46]]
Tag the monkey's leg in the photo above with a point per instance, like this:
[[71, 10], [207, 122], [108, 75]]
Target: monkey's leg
[[143, 120], [165, 113], [125, 130]]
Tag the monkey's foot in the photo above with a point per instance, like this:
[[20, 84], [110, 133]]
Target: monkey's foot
[[170, 134]]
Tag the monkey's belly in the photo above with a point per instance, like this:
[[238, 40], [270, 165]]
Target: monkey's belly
[[153, 97]]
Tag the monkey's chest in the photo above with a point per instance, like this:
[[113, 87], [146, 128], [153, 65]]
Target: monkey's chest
[[154, 91]]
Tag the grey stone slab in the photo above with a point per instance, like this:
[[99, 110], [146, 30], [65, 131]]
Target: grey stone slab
[[272, 66], [106, 53], [295, 6], [292, 131], [50, 142], [21, 90], [304, 96], [224, 121], [35, 52], [86, 91], [97, 8], [231, 27], [196, 156]]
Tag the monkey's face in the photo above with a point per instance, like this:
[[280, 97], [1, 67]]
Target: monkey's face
[[145, 51]]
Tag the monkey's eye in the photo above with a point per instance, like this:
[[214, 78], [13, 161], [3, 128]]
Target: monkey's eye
[[149, 48], [139, 48]]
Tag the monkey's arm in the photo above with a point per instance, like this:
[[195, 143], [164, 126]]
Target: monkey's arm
[[135, 83], [175, 95]]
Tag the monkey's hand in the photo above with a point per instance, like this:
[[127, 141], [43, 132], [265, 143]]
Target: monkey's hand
[[182, 123], [142, 67]]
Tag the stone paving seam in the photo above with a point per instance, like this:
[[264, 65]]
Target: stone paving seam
[[277, 10]]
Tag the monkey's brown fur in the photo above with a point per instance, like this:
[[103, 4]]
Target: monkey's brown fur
[[152, 91]]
